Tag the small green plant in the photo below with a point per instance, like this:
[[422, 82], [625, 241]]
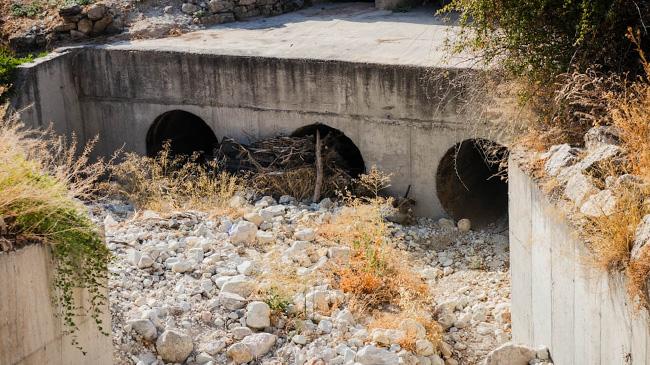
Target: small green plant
[[29, 10], [276, 300], [8, 64]]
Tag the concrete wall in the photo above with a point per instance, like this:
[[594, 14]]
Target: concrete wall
[[389, 111], [580, 312], [30, 333]]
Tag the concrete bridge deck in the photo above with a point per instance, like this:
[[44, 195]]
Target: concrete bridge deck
[[350, 32]]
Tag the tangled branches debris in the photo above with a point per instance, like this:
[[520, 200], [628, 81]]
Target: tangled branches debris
[[287, 165]]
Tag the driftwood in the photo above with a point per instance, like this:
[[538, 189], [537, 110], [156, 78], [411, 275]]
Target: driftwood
[[289, 165]]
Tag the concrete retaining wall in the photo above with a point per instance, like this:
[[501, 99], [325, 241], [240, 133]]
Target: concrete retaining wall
[[581, 313], [30, 333], [388, 111]]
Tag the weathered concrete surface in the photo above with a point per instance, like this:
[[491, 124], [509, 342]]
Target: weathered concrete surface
[[580, 312], [367, 73], [30, 333]]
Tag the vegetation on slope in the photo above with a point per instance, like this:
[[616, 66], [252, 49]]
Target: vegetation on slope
[[41, 181]]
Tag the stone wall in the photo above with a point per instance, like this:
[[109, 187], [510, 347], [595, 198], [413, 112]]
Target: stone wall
[[30, 333], [223, 11], [581, 313]]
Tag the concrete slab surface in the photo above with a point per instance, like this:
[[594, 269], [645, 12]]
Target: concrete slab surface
[[353, 32]]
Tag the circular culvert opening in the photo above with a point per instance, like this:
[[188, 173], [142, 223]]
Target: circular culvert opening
[[470, 183], [335, 139], [186, 132]]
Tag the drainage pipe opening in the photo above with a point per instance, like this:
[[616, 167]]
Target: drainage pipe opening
[[186, 132], [352, 161], [470, 184]]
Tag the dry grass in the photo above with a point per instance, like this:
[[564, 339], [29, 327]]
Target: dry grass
[[378, 277], [168, 182]]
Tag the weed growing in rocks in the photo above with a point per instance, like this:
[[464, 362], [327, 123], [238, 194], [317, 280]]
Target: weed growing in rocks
[[167, 182]]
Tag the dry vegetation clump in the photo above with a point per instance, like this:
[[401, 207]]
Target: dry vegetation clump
[[377, 278], [168, 182], [42, 179]]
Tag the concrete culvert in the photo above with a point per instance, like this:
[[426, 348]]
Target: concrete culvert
[[334, 138], [186, 132], [469, 184]]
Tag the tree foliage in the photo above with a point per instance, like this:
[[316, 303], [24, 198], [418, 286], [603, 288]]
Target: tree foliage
[[543, 38]]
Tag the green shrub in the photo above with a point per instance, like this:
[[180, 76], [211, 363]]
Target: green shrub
[[543, 38], [8, 64], [29, 10]]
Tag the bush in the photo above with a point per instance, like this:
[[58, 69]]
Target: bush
[[8, 64], [40, 182], [543, 38], [29, 10]]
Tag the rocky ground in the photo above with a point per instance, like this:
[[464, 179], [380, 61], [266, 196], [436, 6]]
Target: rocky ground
[[194, 289]]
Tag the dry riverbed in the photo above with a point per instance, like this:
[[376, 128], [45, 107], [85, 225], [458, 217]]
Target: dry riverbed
[[190, 288]]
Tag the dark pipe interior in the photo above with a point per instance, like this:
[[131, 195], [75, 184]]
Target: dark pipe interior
[[353, 160], [186, 132], [468, 184]]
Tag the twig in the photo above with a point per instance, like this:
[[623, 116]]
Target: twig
[[319, 169]]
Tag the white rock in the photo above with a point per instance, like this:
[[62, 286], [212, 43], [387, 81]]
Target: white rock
[[203, 358], [259, 343], [231, 301], [109, 222], [372, 355], [271, 212], [243, 232], [579, 188], [599, 204], [133, 256], [325, 204], [240, 353], [254, 217], [424, 348], [559, 157], [299, 339], [246, 268], [265, 237], [174, 346], [641, 237], [304, 234], [144, 328], [237, 202], [145, 262], [258, 315], [241, 332], [464, 225], [510, 354], [239, 285], [182, 266]]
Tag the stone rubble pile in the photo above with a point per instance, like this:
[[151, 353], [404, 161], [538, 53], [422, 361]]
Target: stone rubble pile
[[194, 289]]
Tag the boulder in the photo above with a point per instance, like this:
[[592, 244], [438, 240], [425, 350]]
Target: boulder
[[464, 225], [239, 285], [243, 232], [600, 155], [258, 315], [100, 25], [251, 347], [304, 234], [96, 11], [265, 237], [373, 355], [70, 10], [599, 204], [510, 354], [424, 348], [190, 9], [218, 6], [597, 136], [174, 346], [144, 328], [559, 157], [269, 213], [231, 301], [254, 217], [85, 26], [579, 188]]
